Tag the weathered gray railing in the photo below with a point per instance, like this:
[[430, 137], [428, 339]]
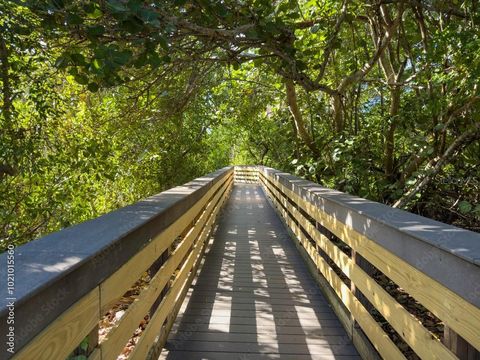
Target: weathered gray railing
[[65, 282], [436, 264]]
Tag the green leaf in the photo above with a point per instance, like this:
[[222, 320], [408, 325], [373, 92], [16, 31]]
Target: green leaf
[[122, 57], [314, 29], [301, 65], [135, 5], [93, 10], [97, 14], [154, 60], [95, 31], [78, 357], [166, 59], [252, 34], [116, 6], [61, 62], [464, 207], [132, 25], [141, 60], [221, 10], [170, 28], [81, 79], [77, 59], [362, 43], [73, 19], [284, 7], [411, 181], [163, 42], [93, 87], [257, 62], [476, 210], [149, 17], [84, 344], [96, 64]]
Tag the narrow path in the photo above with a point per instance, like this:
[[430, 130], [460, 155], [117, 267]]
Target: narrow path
[[254, 298]]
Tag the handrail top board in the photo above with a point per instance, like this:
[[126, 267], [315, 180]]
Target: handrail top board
[[460, 242], [54, 271], [446, 253]]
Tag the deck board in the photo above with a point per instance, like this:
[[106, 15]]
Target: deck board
[[254, 297]]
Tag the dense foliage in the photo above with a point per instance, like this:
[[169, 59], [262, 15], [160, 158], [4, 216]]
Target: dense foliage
[[107, 101]]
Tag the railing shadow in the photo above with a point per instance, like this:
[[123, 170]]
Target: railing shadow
[[254, 296]]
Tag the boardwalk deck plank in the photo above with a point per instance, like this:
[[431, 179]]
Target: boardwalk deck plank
[[254, 297]]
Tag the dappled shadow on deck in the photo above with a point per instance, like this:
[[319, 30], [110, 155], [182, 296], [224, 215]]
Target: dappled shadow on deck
[[254, 298]]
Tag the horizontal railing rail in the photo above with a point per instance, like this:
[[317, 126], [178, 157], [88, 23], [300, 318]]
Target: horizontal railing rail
[[436, 264], [63, 284], [67, 281], [247, 174]]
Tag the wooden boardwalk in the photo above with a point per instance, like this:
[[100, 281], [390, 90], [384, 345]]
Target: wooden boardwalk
[[254, 298]]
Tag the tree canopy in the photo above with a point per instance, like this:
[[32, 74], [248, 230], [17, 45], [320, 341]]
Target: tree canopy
[[104, 102]]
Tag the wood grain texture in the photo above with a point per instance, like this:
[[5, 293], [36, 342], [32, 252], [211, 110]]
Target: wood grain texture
[[246, 174], [119, 335], [456, 312], [69, 263], [117, 284], [372, 329], [172, 297], [254, 293], [254, 296], [407, 326], [160, 341], [60, 338]]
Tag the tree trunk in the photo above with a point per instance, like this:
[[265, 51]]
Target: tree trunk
[[389, 158], [6, 90], [6, 169], [338, 116], [299, 123], [356, 115]]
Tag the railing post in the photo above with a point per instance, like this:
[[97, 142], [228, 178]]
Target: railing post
[[88, 344], [368, 268], [92, 340], [459, 346], [152, 271]]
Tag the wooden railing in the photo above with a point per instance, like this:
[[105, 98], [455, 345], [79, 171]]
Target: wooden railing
[[352, 241], [246, 174], [66, 282]]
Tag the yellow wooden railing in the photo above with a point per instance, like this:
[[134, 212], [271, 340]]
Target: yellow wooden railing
[[70, 279], [307, 208], [246, 174], [184, 218]]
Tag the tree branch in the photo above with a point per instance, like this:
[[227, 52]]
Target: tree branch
[[459, 144], [360, 73], [329, 47]]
